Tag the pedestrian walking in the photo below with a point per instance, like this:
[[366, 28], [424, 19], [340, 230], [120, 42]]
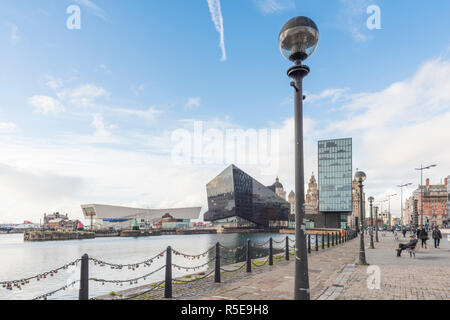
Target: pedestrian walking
[[423, 235], [437, 236], [404, 232]]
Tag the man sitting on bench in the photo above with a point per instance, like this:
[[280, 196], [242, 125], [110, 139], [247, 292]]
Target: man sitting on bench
[[411, 244]]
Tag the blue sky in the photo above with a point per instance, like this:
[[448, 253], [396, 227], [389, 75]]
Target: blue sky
[[86, 115]]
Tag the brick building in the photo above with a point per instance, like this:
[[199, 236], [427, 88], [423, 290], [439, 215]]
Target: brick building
[[435, 199]]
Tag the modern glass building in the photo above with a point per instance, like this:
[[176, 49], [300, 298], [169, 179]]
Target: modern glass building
[[335, 179], [237, 200]]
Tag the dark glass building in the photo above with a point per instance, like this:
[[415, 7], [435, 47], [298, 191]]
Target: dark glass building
[[235, 199], [335, 181]]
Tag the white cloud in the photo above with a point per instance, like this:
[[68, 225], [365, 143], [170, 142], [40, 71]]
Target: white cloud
[[216, 16], [7, 126], [84, 96], [45, 105], [53, 83], [14, 33], [353, 18], [102, 131], [96, 10], [193, 102], [148, 114], [105, 69], [274, 6], [330, 95]]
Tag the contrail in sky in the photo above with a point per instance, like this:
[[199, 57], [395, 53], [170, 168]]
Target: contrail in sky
[[216, 15]]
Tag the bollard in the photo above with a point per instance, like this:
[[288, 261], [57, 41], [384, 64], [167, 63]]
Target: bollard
[[168, 284], [287, 248], [332, 239], [328, 240], [84, 278], [317, 242], [217, 271], [323, 241], [249, 257], [309, 243], [271, 252], [339, 238]]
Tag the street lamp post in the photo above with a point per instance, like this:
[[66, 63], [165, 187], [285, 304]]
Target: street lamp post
[[421, 189], [371, 199], [401, 199], [389, 209], [298, 40], [376, 225], [360, 177]]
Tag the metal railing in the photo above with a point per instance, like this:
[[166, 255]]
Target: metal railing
[[332, 239]]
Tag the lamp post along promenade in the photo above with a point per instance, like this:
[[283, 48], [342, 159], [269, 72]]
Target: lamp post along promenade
[[298, 40], [360, 177]]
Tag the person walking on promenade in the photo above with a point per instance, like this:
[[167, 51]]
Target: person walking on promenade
[[404, 232], [423, 235], [411, 244], [437, 236]]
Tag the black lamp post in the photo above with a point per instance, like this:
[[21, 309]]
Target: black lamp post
[[298, 40], [376, 225], [389, 209], [371, 199], [360, 177], [421, 190]]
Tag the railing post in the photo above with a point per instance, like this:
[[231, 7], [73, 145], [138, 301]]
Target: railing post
[[287, 248], [271, 252], [332, 239], [328, 240], [168, 284], [249, 257], [84, 278], [317, 242], [309, 243], [217, 271], [322, 236]]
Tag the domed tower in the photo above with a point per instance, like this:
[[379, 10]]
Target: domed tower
[[279, 190]]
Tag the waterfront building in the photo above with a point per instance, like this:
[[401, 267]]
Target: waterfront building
[[311, 198], [435, 203], [277, 187], [236, 200], [335, 182], [117, 217], [352, 220]]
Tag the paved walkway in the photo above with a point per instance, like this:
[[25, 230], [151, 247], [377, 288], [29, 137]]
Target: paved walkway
[[277, 283], [423, 278]]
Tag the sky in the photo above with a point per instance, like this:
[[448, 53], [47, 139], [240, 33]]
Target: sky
[[98, 109]]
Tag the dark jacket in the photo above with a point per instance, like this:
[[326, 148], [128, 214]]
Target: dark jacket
[[423, 234], [412, 243], [437, 234]]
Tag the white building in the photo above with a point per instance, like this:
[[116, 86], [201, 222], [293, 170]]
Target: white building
[[106, 216]]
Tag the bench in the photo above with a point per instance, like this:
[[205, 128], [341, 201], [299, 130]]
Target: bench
[[412, 251]]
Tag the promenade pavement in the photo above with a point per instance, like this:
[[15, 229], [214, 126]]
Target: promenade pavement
[[423, 278]]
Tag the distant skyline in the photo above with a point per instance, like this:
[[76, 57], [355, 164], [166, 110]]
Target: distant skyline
[[87, 115]]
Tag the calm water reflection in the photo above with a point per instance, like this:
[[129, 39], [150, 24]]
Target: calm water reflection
[[21, 259]]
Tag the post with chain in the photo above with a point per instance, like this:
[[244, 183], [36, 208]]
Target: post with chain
[[271, 252], [317, 242], [309, 243], [287, 248], [328, 240], [217, 270], [249, 256], [168, 283], [332, 239], [84, 278], [322, 236]]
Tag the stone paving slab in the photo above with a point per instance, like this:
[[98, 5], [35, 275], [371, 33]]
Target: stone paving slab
[[425, 278]]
